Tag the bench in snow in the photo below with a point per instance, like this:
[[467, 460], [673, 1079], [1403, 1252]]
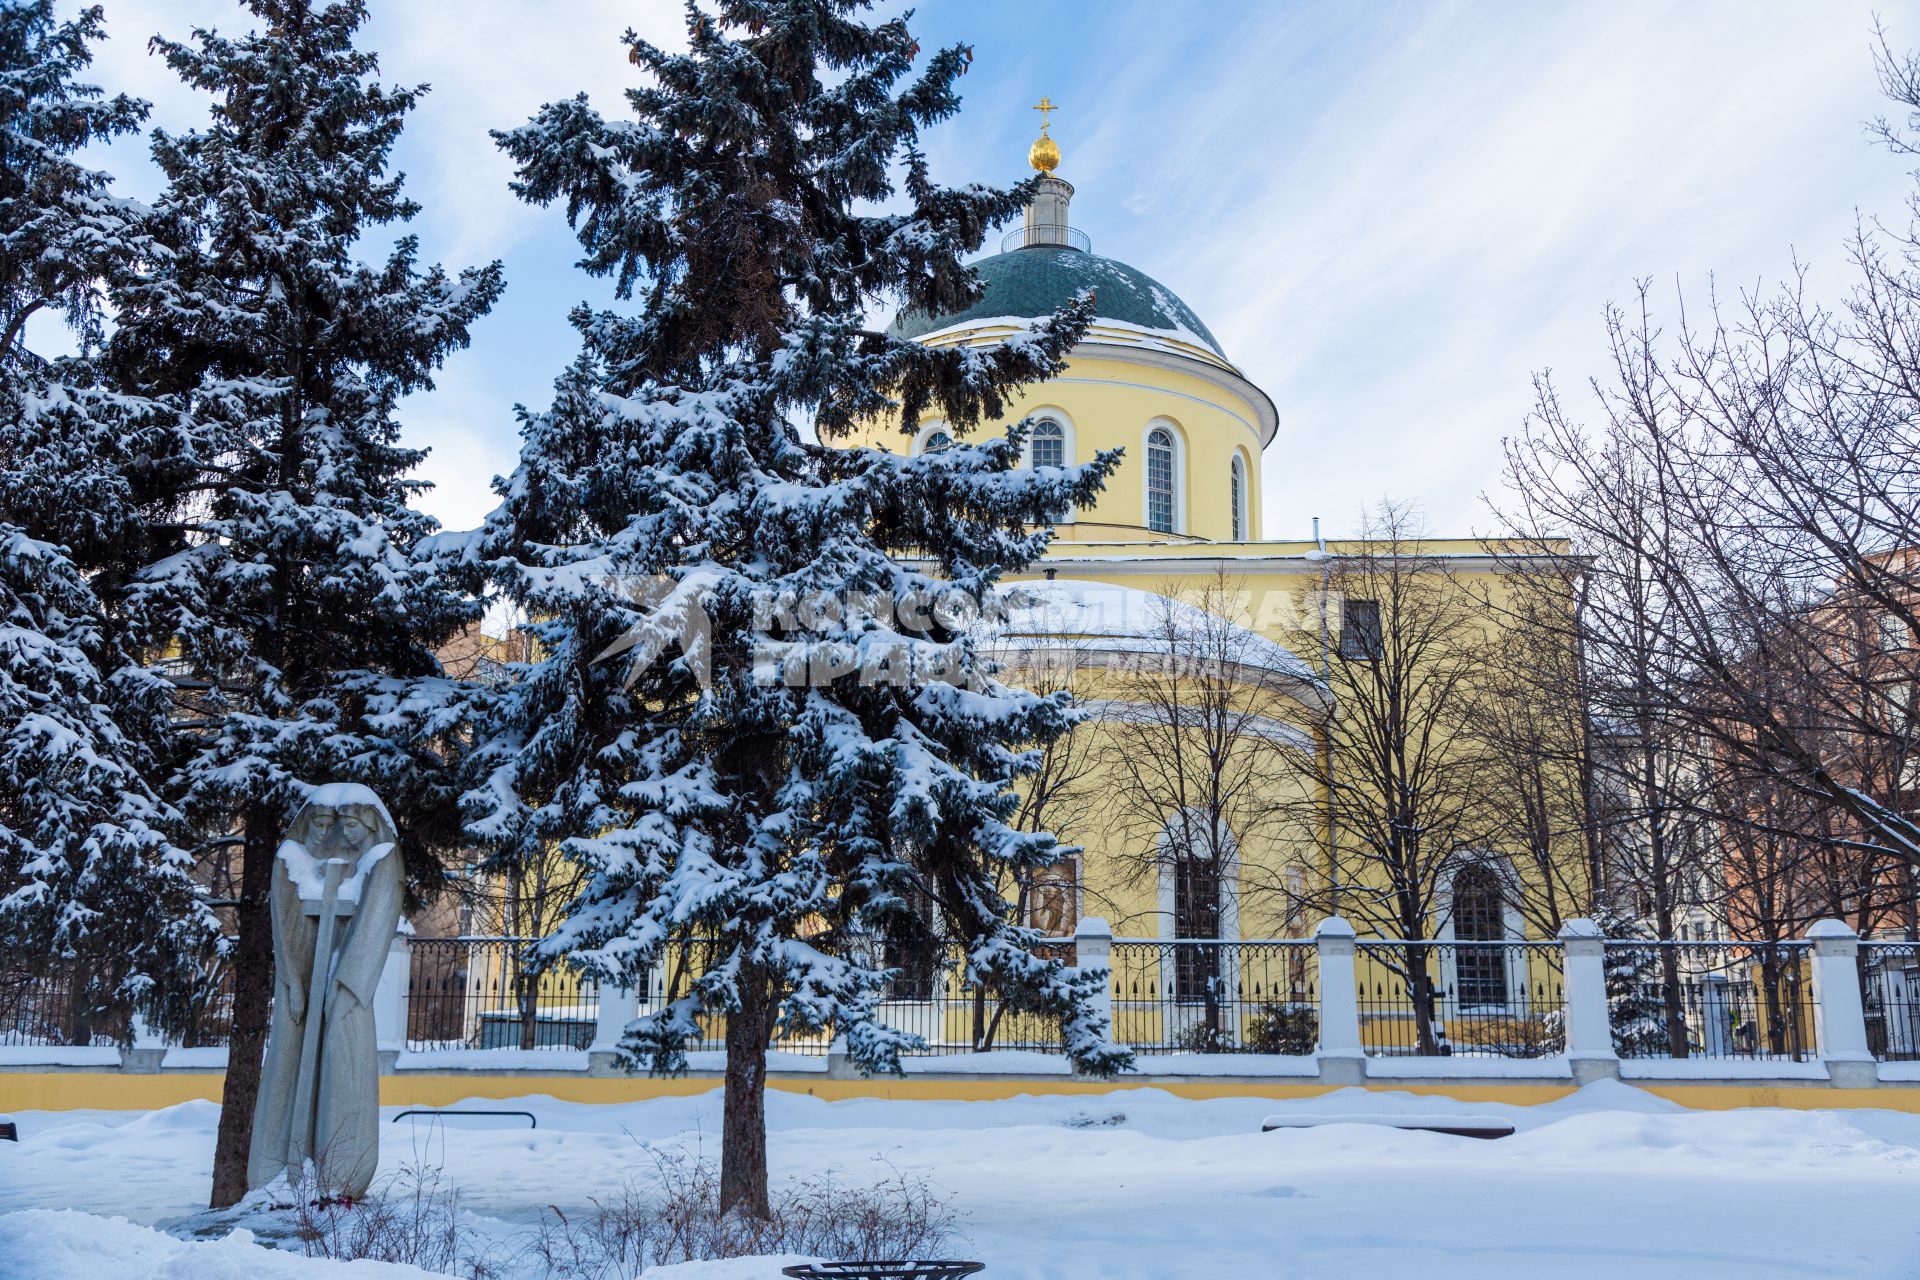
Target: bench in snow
[[1457, 1126]]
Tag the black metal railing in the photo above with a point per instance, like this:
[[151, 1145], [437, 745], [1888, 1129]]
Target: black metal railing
[[479, 993], [1215, 996], [1890, 994], [1056, 235], [1714, 999], [934, 997], [47, 1007], [1461, 999]]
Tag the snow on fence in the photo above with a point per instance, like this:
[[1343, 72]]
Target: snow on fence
[[1461, 999], [1829, 998], [1719, 999]]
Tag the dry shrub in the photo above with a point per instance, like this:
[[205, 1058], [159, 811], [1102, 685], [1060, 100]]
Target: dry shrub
[[673, 1215], [411, 1216]]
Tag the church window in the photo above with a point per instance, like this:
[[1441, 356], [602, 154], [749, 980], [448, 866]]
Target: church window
[[1360, 636], [1160, 480], [937, 442], [1479, 915], [1196, 914], [1049, 445], [1237, 481]]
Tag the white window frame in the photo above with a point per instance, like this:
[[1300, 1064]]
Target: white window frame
[[1068, 451], [928, 429], [1513, 928], [1179, 438], [1239, 498]]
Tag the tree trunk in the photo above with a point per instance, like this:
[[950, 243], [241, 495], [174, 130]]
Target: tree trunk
[[1670, 1002], [1420, 989], [527, 1004], [252, 1002], [743, 1124]]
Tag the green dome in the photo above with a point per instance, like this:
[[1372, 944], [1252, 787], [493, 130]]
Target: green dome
[[1034, 281]]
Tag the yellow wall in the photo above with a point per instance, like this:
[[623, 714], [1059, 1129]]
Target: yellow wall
[[70, 1090], [1110, 403], [1110, 397]]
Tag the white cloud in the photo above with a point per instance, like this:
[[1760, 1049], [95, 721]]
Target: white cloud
[[1390, 214]]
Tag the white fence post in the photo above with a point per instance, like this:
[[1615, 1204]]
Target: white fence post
[[614, 1008], [390, 1001], [1840, 1018], [1093, 949], [1342, 1056], [1589, 1023]]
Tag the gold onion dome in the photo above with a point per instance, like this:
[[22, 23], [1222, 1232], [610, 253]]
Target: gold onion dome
[[1043, 154]]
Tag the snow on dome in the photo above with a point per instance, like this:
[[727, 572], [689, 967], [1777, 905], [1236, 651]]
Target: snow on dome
[[1104, 619], [1036, 281]]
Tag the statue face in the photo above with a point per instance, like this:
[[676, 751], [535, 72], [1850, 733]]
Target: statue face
[[337, 831]]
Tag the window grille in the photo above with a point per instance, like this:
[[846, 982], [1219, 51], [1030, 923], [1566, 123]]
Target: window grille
[[1239, 487], [1049, 445], [1360, 636], [1160, 481], [1479, 915]]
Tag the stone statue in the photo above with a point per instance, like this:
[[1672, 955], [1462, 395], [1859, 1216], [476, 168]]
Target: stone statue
[[337, 889]]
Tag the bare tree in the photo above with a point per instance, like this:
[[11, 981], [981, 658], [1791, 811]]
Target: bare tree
[[1409, 775], [1772, 450], [1199, 738], [1531, 723]]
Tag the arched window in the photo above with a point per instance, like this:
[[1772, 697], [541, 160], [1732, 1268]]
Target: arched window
[[1160, 480], [1049, 444], [1196, 914], [1238, 483], [936, 442], [1479, 915]]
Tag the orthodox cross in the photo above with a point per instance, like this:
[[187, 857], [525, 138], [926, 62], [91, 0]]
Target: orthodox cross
[[1045, 106]]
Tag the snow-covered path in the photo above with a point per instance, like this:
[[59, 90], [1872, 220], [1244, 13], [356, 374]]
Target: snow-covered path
[[1611, 1182]]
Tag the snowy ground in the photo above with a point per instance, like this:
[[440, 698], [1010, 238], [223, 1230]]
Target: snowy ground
[[1611, 1182]]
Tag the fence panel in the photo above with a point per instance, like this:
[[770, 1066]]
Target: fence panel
[[1461, 999], [1210, 996], [1890, 993], [477, 993], [1712, 999], [44, 1008]]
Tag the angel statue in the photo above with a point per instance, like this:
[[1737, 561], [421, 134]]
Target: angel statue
[[337, 889]]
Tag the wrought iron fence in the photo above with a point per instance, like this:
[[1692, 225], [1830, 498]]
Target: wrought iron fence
[[1461, 999], [479, 993], [1713, 999], [1890, 994], [47, 1007], [1214, 996]]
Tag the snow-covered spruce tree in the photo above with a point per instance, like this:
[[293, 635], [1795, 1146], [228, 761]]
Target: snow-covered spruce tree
[[91, 879], [287, 584], [780, 781], [1634, 1007]]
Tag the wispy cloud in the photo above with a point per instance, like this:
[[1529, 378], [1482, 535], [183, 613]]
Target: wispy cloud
[[1390, 214]]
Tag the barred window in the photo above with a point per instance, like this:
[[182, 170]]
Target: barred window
[[1360, 637], [1160, 480], [1238, 483], [1049, 445], [1479, 915]]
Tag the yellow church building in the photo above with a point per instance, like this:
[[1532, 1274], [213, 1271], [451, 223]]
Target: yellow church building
[[1170, 563]]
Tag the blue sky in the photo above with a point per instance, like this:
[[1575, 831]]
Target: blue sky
[[1390, 215]]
